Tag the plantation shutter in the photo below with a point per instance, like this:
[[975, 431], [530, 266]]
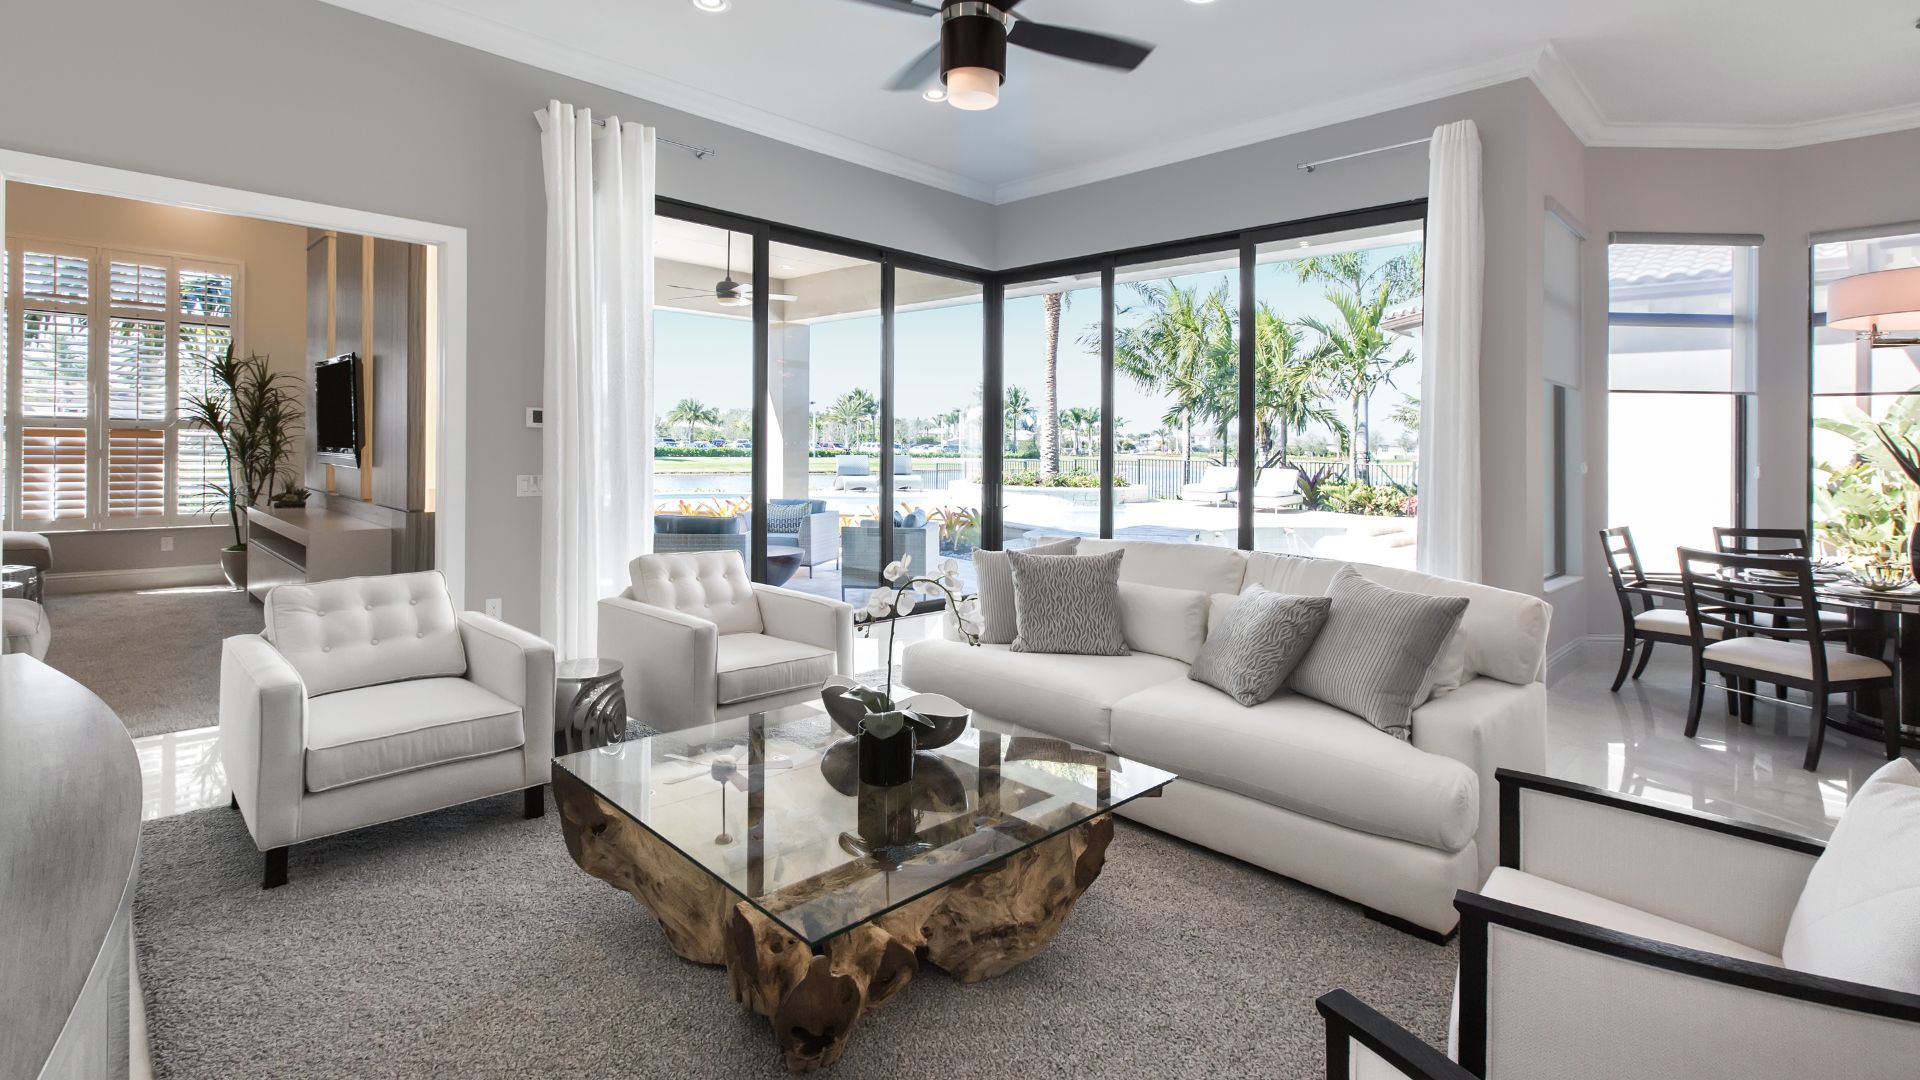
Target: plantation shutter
[[53, 474], [137, 472], [201, 462]]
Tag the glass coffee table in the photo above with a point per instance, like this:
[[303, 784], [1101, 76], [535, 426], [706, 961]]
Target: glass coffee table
[[755, 845]]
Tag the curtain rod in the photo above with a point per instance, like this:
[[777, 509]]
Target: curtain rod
[[700, 153], [1309, 166]]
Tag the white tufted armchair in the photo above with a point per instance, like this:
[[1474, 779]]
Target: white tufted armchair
[[700, 642], [368, 699]]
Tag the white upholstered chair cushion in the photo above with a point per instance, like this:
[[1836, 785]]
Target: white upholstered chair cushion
[[710, 585], [1859, 916], [374, 731], [1670, 621], [1165, 622], [1795, 658], [24, 628], [1540, 894], [1068, 696], [1200, 567], [1305, 756], [355, 632], [751, 666]]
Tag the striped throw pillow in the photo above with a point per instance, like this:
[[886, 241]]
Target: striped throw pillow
[[1372, 657]]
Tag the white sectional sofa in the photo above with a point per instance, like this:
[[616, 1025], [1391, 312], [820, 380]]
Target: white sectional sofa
[[1293, 785]]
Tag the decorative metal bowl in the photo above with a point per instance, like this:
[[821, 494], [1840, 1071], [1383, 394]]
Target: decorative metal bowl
[[948, 717], [1885, 576]]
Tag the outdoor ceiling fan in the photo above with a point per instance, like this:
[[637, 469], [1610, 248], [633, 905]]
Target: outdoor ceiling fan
[[726, 292], [971, 58]]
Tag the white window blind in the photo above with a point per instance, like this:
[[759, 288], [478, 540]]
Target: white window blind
[[105, 350]]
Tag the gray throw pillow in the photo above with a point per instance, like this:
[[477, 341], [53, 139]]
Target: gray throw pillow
[[993, 575], [1372, 657], [1068, 604], [1263, 638]]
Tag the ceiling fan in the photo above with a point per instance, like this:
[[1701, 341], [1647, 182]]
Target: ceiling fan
[[971, 58], [726, 292]]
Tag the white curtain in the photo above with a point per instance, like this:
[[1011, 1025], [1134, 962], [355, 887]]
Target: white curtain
[[597, 435], [1449, 471]]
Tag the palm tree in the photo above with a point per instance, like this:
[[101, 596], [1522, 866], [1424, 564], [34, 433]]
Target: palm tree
[[1052, 304], [1289, 384], [1359, 275], [1182, 346], [1358, 364], [1018, 407], [692, 412], [853, 410], [1077, 421]]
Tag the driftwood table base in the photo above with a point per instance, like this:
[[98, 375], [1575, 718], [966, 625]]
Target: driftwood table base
[[980, 926]]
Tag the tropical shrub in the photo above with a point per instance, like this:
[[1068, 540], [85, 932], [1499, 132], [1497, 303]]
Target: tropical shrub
[[1072, 478], [1864, 506], [701, 452], [1371, 499]]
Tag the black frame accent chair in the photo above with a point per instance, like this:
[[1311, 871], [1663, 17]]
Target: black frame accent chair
[[1644, 621], [1733, 540], [1361, 1042], [1769, 630], [1622, 937]]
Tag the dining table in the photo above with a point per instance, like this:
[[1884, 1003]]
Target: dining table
[[1875, 620]]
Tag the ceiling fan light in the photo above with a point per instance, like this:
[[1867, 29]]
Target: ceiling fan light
[[973, 88]]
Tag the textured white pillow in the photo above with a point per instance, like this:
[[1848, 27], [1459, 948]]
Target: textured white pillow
[[1859, 916], [1162, 621]]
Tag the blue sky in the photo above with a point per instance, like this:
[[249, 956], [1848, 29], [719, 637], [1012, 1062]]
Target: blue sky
[[938, 368]]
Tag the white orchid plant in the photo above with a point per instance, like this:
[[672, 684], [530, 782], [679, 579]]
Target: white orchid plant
[[900, 592]]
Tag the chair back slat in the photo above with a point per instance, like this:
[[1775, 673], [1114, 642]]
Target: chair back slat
[[1623, 558], [1722, 592], [1759, 541]]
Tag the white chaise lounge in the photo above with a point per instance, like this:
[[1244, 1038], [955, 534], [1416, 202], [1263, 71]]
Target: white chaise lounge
[[1292, 784], [1216, 486]]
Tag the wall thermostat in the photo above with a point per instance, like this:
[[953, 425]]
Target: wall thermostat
[[536, 416]]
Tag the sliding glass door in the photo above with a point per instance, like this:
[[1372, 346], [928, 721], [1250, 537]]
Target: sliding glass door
[[939, 419], [1051, 417]]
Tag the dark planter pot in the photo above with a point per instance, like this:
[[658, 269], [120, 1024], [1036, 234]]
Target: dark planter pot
[[886, 762]]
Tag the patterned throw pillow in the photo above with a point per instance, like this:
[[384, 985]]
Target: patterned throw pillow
[[1263, 638], [994, 575], [1372, 657], [785, 517], [1068, 604]]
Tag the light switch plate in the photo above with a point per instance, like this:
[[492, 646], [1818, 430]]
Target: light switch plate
[[536, 416], [493, 609], [166, 543], [528, 487]]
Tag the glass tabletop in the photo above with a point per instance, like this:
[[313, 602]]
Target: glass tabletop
[[772, 806]]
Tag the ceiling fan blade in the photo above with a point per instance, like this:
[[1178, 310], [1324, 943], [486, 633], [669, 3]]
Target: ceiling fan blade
[[747, 290], [1082, 45], [919, 73], [904, 5]]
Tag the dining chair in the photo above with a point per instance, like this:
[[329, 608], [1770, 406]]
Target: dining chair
[[1643, 621], [1774, 541], [1769, 630]]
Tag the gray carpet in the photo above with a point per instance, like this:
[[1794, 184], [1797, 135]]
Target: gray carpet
[[152, 656], [467, 944]]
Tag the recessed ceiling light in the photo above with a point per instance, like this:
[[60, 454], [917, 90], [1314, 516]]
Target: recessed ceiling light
[[1305, 243], [1199, 1], [712, 7], [935, 93]]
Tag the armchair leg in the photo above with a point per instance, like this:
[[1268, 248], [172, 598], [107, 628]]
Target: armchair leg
[[276, 869], [536, 797]]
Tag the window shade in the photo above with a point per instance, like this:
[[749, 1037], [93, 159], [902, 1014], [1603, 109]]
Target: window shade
[[53, 474], [136, 472]]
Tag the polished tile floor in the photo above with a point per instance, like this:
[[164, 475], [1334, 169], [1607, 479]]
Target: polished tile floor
[[1629, 742]]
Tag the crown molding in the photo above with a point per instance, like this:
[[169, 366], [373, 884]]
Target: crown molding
[[511, 43], [1569, 96], [1757, 136]]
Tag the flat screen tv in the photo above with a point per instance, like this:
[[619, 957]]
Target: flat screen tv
[[336, 410]]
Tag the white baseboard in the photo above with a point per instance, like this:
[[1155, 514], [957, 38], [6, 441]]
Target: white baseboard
[[155, 577], [1568, 656]]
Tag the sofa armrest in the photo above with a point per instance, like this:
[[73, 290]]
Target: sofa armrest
[[1546, 996], [1362, 1043], [1732, 879], [667, 659], [510, 663], [811, 620], [1486, 725], [263, 737]]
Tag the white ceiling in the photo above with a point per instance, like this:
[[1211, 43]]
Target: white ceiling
[[1749, 73]]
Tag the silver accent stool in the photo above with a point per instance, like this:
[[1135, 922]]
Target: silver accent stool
[[589, 706], [29, 578]]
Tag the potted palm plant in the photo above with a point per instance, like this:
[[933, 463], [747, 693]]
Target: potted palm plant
[[255, 412]]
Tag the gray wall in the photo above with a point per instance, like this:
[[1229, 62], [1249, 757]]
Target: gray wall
[[318, 103]]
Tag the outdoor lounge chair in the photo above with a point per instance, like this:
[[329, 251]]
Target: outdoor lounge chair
[[903, 477], [854, 472], [1216, 486], [1278, 489]]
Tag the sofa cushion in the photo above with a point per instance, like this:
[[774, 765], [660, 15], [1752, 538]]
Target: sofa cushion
[[26, 549], [1068, 604], [1503, 634], [750, 666], [994, 575], [24, 628], [1304, 756], [1859, 916], [1066, 696], [710, 585], [1201, 567], [1259, 644], [373, 731], [1166, 622], [355, 632], [1376, 654], [1540, 894]]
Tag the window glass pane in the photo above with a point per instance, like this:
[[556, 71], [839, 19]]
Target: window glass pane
[[206, 294], [53, 363], [136, 472], [137, 369], [1670, 470], [703, 384], [1176, 359], [200, 346], [202, 464], [1051, 418], [1337, 390], [937, 363]]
